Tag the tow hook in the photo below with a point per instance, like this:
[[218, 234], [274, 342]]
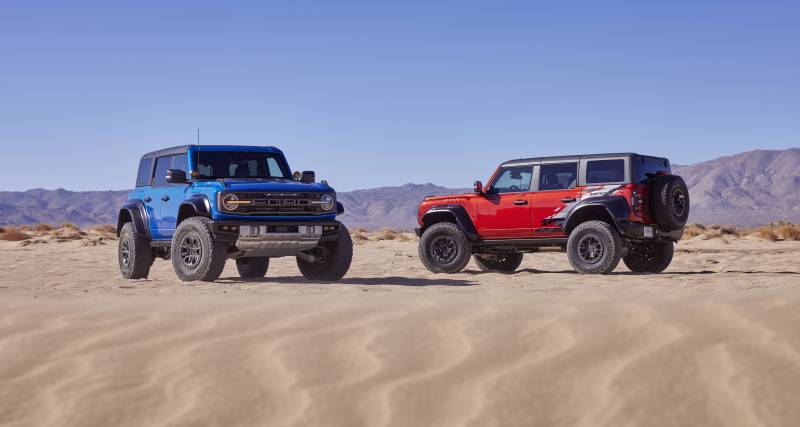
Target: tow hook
[[307, 257]]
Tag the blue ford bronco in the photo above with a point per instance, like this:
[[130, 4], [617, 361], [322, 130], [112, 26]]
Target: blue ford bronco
[[200, 205]]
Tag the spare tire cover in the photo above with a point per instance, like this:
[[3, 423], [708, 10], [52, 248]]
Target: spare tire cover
[[669, 202]]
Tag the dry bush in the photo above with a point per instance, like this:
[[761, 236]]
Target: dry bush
[[359, 234], [105, 228], [43, 228], [789, 231], [69, 226], [93, 241], [693, 230], [64, 234], [712, 231], [729, 230], [2, 229], [404, 236], [13, 235], [388, 234], [766, 233]]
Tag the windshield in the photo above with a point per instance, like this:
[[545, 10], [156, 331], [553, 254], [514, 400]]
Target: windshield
[[238, 164]]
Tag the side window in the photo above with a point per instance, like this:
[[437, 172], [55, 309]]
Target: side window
[[558, 176], [605, 171], [143, 176], [513, 179], [181, 162], [160, 178], [252, 166], [274, 168]]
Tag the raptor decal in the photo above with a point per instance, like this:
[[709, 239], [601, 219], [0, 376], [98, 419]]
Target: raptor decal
[[561, 212]]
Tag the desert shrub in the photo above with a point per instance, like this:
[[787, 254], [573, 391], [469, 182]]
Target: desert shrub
[[69, 226], [789, 231], [105, 228], [693, 230], [43, 228], [359, 234], [64, 234], [13, 235], [766, 233], [388, 234], [2, 229]]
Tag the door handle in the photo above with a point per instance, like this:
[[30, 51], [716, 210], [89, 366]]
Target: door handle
[[520, 202], [147, 199], [568, 199], [165, 198]]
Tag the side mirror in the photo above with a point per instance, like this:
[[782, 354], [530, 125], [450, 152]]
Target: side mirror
[[478, 187], [176, 176], [308, 177]]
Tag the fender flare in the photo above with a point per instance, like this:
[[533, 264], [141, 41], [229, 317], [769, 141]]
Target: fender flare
[[195, 205], [616, 207], [456, 212], [134, 211]]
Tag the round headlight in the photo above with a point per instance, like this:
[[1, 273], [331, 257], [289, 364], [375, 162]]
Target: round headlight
[[326, 202], [229, 202]]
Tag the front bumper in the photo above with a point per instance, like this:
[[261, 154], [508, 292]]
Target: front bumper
[[638, 231], [274, 239]]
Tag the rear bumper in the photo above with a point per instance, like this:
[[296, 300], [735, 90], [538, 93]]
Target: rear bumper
[[635, 230]]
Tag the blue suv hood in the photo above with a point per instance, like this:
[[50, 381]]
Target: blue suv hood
[[275, 185]]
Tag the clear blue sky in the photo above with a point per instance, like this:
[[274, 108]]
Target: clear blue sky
[[372, 93]]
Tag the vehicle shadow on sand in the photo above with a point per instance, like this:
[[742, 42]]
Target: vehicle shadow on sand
[[516, 272], [363, 281], [629, 273]]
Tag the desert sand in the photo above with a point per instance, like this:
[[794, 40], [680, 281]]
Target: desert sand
[[714, 341]]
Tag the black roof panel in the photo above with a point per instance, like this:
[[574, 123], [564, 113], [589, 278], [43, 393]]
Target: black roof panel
[[180, 149], [574, 158]]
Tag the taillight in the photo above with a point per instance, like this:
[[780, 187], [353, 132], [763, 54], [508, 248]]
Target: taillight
[[636, 202]]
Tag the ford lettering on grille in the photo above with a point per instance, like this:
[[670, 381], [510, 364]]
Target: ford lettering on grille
[[280, 203]]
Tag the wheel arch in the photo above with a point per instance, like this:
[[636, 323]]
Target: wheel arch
[[611, 210], [135, 212], [196, 205], [455, 214]]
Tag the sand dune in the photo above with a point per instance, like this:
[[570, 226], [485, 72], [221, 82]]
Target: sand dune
[[715, 341]]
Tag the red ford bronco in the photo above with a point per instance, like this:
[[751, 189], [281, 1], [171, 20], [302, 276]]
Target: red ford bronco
[[598, 208]]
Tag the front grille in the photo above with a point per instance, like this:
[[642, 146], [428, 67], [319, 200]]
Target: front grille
[[278, 204]]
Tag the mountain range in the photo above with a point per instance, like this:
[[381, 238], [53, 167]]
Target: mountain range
[[751, 188]]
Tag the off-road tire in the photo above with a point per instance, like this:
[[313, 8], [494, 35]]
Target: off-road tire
[[194, 242], [133, 253], [336, 262], [252, 267], [594, 247], [669, 202], [505, 263], [649, 257], [443, 248]]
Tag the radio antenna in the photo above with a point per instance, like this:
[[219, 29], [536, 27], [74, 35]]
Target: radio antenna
[[198, 137]]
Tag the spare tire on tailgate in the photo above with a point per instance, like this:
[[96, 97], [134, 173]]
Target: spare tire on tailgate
[[669, 202]]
